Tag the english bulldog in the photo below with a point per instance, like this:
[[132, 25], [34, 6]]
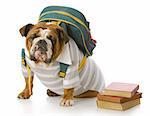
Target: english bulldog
[[49, 45]]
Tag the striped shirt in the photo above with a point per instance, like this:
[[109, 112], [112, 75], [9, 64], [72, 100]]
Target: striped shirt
[[89, 78]]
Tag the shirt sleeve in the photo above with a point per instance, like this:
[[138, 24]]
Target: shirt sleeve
[[71, 79], [25, 71]]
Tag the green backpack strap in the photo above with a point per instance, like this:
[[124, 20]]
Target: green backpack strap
[[23, 57], [63, 70]]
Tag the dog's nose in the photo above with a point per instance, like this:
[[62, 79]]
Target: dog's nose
[[42, 46], [42, 42]]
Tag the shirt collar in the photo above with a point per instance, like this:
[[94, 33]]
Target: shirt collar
[[64, 56]]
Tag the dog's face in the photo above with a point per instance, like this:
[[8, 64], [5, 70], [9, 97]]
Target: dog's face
[[44, 41]]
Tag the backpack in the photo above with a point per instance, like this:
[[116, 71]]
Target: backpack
[[75, 25]]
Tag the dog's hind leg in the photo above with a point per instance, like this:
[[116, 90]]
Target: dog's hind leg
[[51, 93], [87, 94]]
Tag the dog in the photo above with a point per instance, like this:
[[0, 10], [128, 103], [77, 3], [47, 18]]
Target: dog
[[47, 45]]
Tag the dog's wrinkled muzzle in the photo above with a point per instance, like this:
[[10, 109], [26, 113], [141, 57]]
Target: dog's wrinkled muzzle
[[40, 52]]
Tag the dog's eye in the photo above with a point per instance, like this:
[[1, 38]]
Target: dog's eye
[[49, 37], [33, 36]]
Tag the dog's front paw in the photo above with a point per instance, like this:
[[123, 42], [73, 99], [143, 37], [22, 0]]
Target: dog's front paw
[[66, 102], [25, 94]]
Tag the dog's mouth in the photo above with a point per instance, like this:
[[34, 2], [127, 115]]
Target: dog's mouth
[[39, 57], [41, 54]]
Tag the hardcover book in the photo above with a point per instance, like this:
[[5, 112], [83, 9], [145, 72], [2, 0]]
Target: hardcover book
[[116, 99], [121, 89]]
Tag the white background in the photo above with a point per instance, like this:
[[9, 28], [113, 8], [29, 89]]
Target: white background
[[122, 30]]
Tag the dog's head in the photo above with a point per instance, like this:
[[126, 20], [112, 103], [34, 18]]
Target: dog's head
[[44, 41]]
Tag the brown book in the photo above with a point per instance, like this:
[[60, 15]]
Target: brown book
[[115, 99], [121, 89], [117, 106]]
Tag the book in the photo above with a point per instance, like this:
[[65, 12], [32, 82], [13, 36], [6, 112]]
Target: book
[[117, 106], [121, 89], [116, 99]]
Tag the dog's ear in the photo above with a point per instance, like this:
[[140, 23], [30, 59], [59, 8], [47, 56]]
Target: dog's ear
[[62, 34], [25, 29]]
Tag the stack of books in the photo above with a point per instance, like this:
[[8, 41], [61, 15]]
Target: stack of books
[[119, 96]]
